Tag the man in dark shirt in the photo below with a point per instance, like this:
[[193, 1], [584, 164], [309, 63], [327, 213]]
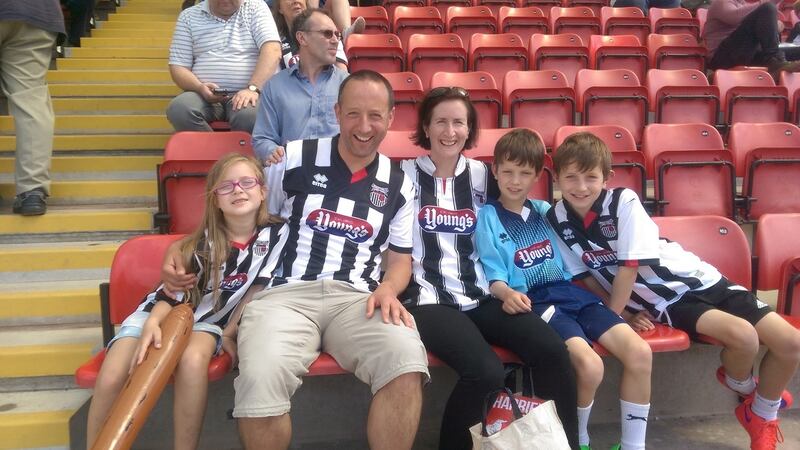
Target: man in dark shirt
[[28, 31]]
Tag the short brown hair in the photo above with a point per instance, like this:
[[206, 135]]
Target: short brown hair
[[425, 114], [368, 75], [584, 149], [521, 146]]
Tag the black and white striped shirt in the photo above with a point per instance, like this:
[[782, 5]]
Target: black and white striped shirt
[[618, 232], [246, 264], [222, 51], [339, 222], [446, 268]]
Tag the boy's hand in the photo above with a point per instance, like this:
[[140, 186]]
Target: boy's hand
[[641, 321], [230, 347], [516, 302], [151, 334]]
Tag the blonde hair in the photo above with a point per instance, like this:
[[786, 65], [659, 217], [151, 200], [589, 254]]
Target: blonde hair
[[210, 242]]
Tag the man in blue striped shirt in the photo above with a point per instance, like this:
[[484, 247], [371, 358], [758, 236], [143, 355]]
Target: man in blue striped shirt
[[222, 53]]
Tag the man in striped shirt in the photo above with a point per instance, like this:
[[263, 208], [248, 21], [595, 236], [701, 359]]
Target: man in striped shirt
[[222, 53]]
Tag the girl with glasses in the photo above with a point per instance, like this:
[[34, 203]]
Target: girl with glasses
[[236, 241]]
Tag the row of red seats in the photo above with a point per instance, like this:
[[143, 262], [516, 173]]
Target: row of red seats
[[500, 53], [715, 239], [544, 99], [443, 5], [581, 20]]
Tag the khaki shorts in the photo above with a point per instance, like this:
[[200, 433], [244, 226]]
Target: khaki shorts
[[284, 328]]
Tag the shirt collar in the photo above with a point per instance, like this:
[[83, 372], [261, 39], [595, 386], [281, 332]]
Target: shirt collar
[[294, 70], [426, 164]]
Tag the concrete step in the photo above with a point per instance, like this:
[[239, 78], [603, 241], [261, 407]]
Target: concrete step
[[160, 76], [105, 105], [143, 17], [35, 262], [134, 26], [46, 351], [95, 124], [96, 165], [127, 32], [66, 219], [50, 302], [101, 142], [110, 64], [39, 419], [166, 90], [150, 8], [117, 52], [93, 192], [138, 43]]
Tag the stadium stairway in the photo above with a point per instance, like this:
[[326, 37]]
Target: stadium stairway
[[109, 96]]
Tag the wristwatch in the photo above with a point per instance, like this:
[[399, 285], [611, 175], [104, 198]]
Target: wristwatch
[[254, 88]]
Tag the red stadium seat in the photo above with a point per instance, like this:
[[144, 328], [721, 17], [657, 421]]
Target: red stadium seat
[[431, 53], [579, 20], [411, 20], [612, 97], [682, 96], [408, 94], [376, 17], [630, 20], [618, 52], [188, 156], [541, 100], [673, 21], [791, 80], [484, 151], [397, 145], [767, 155], [545, 5], [789, 293], [126, 290], [692, 170], [378, 52], [496, 5], [444, 5], [595, 5], [497, 54], [702, 17], [626, 161], [391, 5], [525, 22], [483, 93], [676, 51], [750, 96], [563, 52], [468, 20]]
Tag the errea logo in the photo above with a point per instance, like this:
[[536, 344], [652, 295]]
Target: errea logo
[[320, 181]]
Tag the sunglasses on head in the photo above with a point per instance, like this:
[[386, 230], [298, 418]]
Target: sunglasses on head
[[327, 34], [448, 90]]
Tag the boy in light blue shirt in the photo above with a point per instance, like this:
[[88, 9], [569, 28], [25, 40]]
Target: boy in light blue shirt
[[521, 257]]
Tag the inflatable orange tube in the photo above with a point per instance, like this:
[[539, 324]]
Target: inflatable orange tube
[[144, 386]]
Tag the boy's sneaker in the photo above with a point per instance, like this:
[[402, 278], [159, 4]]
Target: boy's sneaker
[[764, 434], [30, 203], [586, 447], [786, 396], [616, 447]]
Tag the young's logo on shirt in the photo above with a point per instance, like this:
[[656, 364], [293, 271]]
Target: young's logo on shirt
[[320, 181], [378, 196], [233, 282], [607, 227], [260, 247], [533, 255], [442, 220], [596, 259], [333, 223]]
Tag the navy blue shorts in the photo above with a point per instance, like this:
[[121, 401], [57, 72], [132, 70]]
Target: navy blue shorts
[[579, 313]]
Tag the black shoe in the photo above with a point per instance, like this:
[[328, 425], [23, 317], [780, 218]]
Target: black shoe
[[30, 203]]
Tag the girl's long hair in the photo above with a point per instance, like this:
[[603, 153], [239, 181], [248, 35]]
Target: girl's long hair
[[207, 248]]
